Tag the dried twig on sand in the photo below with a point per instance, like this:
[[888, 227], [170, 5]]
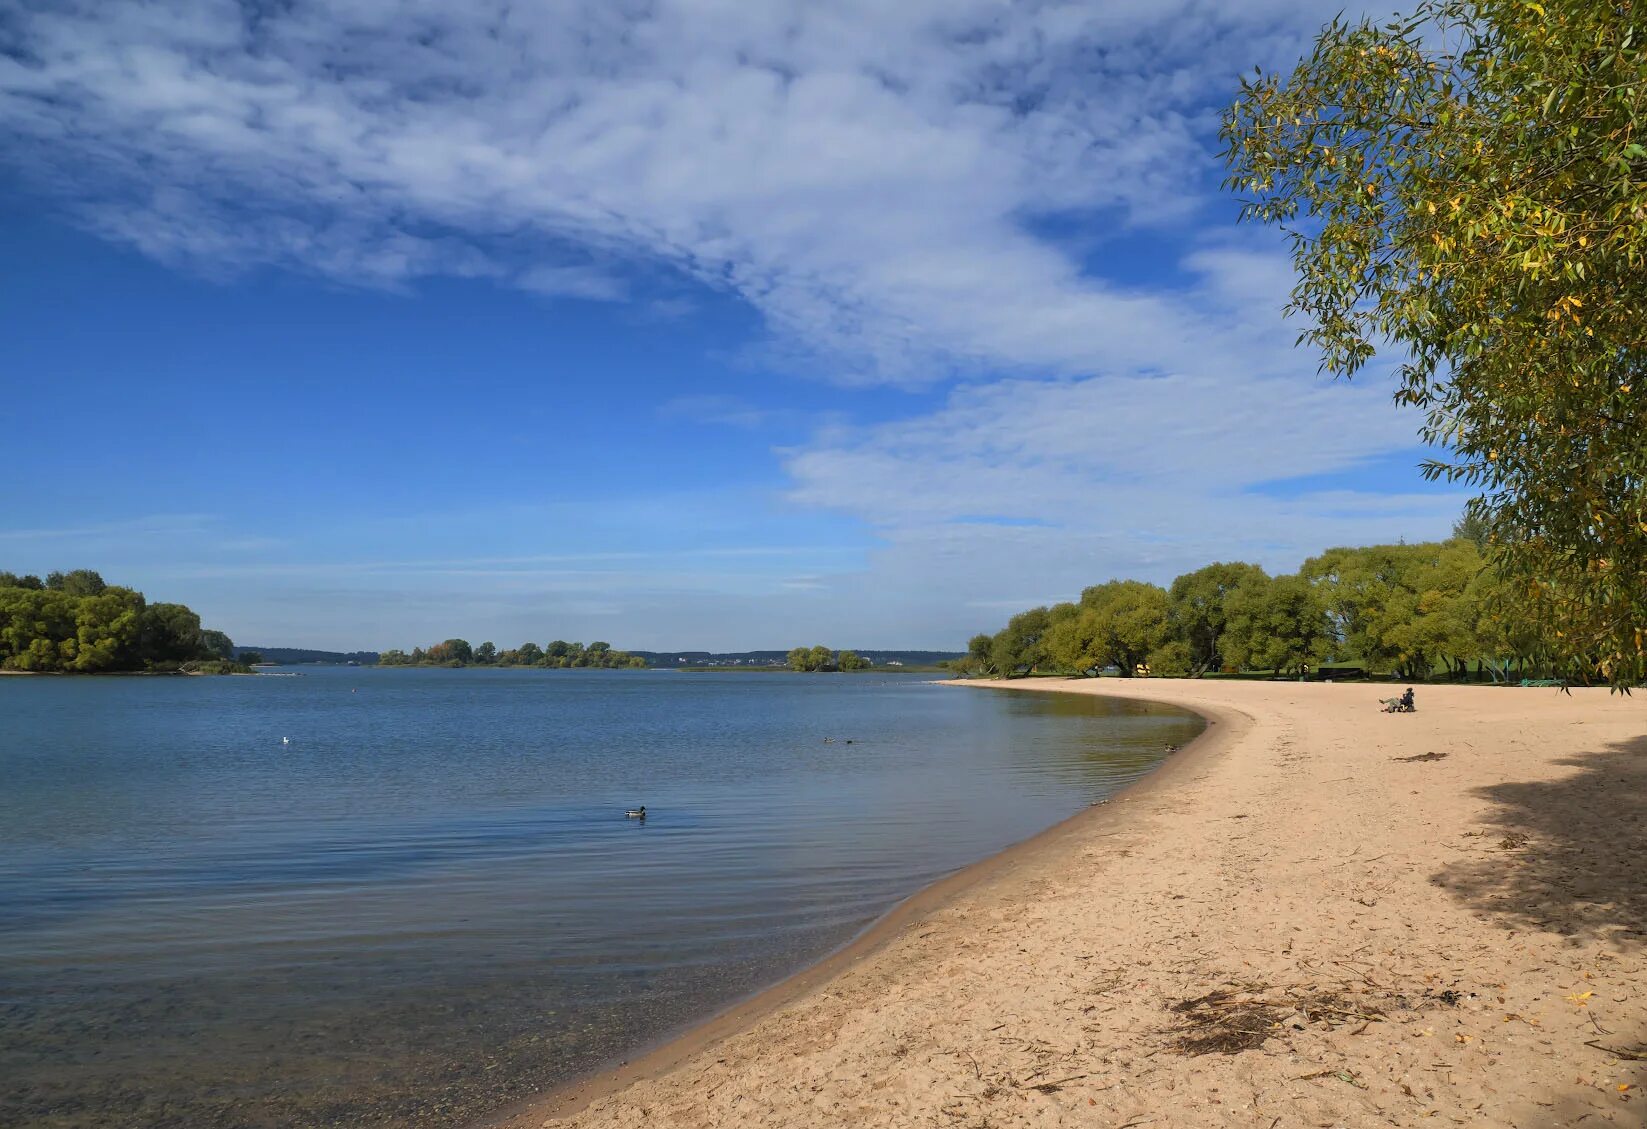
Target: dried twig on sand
[[1226, 1022], [1221, 1023]]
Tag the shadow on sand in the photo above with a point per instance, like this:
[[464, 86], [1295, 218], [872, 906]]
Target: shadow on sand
[[1566, 856]]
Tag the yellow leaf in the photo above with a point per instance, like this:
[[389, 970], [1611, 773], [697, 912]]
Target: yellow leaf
[[1582, 999]]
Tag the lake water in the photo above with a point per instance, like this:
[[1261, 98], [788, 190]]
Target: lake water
[[429, 903]]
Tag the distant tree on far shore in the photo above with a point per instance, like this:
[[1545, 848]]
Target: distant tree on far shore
[[557, 655], [810, 659], [821, 658], [450, 652]]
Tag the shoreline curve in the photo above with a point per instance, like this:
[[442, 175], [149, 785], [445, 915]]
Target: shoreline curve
[[1432, 917], [1223, 726]]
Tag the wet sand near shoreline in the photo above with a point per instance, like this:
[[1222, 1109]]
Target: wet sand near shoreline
[[1316, 915]]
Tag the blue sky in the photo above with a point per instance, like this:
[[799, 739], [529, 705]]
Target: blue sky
[[673, 324]]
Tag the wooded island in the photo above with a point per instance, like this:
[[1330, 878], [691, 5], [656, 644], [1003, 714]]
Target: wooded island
[[75, 623], [558, 655]]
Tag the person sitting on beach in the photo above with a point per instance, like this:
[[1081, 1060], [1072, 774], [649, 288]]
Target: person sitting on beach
[[1403, 704]]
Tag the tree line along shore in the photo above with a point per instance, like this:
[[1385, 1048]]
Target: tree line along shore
[[1416, 612], [821, 658], [562, 655], [76, 623], [557, 655]]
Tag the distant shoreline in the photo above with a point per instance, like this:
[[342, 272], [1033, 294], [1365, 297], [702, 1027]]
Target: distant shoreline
[[791, 670], [129, 673]]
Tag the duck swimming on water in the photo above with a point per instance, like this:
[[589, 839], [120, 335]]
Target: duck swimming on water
[[635, 813]]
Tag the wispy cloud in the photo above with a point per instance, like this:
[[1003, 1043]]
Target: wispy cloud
[[1087, 479], [734, 411], [153, 525], [863, 174], [253, 544], [572, 282], [907, 194], [741, 558]]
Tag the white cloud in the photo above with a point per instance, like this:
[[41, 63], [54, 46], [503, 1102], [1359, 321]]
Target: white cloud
[[881, 181], [1056, 451], [152, 525], [1087, 479], [572, 282], [734, 411], [862, 173]]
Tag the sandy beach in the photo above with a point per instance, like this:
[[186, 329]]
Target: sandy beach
[[1317, 915]]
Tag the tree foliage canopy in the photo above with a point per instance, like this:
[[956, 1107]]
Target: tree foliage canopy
[[1276, 623], [558, 655], [1410, 610], [75, 622], [1471, 186], [1120, 623], [1020, 646], [821, 658], [1199, 602]]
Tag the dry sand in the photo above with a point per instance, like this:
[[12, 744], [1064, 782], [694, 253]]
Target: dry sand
[[1394, 941]]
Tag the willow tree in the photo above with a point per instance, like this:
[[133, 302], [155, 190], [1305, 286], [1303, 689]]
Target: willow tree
[[1470, 187]]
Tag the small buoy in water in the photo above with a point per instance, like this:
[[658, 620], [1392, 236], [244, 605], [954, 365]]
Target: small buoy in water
[[635, 813]]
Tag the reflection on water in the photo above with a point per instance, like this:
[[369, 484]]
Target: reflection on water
[[428, 902]]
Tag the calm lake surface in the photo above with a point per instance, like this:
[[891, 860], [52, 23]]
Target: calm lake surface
[[429, 904]]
